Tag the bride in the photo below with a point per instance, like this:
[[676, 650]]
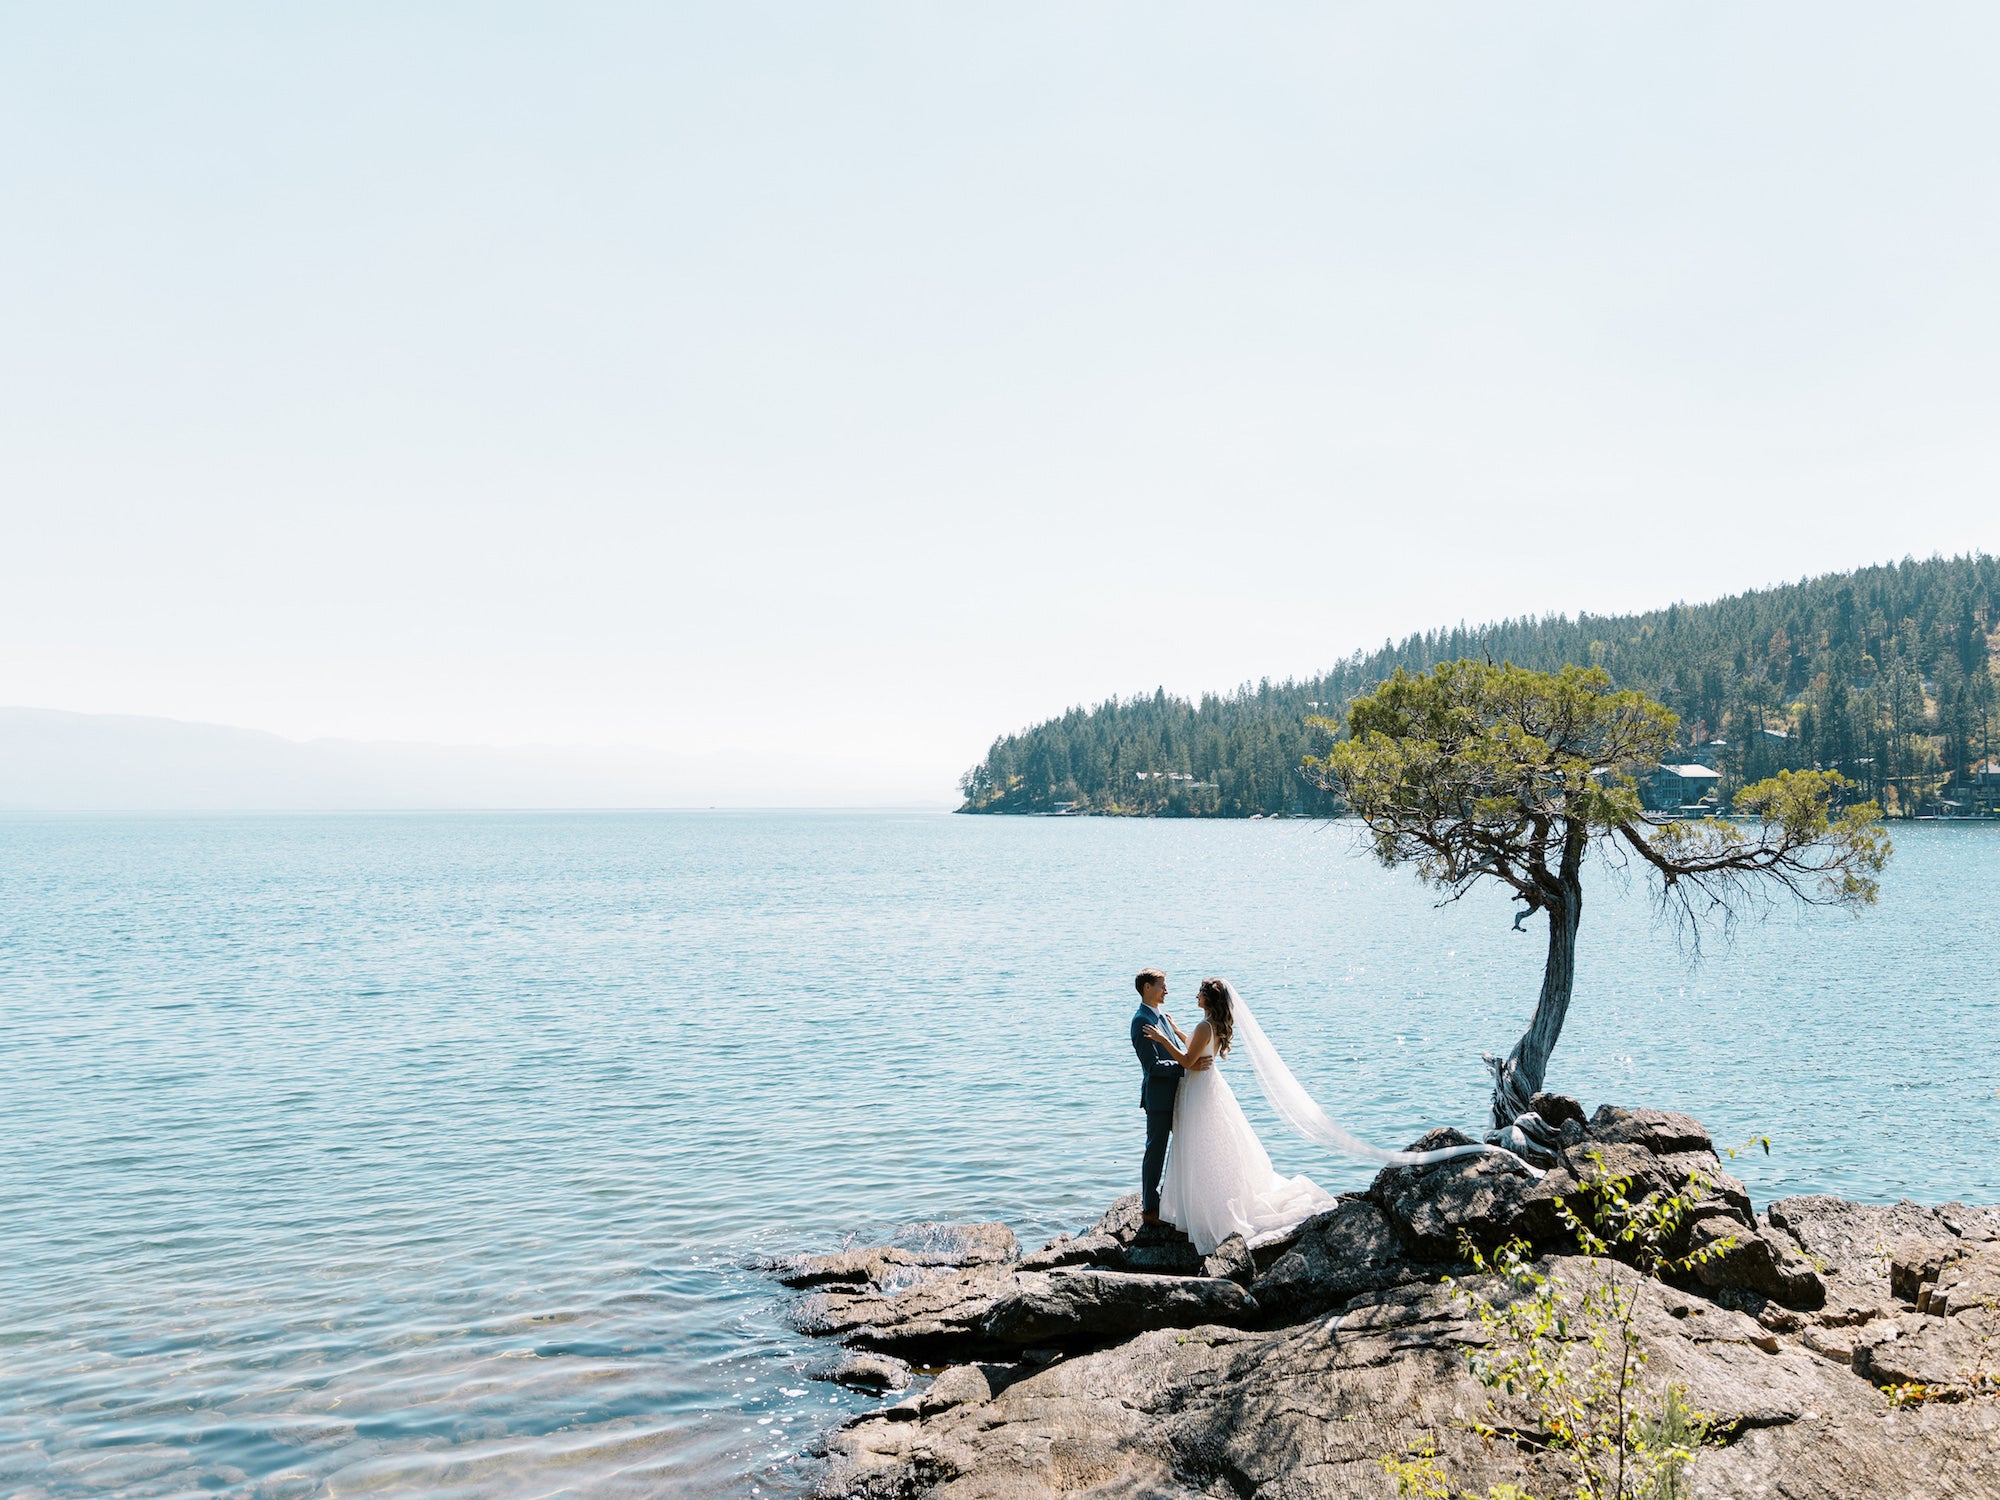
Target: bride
[[1219, 1178]]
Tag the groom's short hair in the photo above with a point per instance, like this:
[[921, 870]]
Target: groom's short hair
[[1147, 978]]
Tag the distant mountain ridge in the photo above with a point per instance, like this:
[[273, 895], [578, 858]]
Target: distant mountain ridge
[[1884, 673], [52, 761]]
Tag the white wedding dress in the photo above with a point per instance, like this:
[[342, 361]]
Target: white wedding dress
[[1219, 1178]]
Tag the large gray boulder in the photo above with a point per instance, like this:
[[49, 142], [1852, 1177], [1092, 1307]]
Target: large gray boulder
[[1492, 1198], [1757, 1259], [1071, 1308], [920, 1297], [1333, 1258], [1666, 1152], [1488, 1197], [1659, 1151], [1661, 1132]]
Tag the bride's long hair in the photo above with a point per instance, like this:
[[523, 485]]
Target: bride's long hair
[[1215, 996]]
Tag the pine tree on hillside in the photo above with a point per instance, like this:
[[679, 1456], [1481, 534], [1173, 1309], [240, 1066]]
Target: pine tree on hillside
[[1885, 674]]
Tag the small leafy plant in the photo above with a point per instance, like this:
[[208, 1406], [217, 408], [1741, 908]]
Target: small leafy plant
[[1569, 1351]]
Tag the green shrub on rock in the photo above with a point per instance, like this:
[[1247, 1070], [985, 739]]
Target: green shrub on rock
[[1565, 1350]]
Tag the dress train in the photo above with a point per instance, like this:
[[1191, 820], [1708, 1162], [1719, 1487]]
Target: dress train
[[1219, 1179]]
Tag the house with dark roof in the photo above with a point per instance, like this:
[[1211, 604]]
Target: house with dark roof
[[1682, 787]]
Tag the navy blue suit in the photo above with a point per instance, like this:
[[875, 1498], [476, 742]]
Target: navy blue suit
[[1156, 1098]]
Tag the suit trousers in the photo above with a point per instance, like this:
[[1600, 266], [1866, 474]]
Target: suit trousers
[[1159, 1126]]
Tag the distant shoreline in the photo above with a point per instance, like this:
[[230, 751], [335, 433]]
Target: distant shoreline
[[1973, 820], [1165, 816]]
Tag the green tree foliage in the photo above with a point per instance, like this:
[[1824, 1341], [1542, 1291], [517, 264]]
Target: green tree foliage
[[1473, 773], [1885, 675]]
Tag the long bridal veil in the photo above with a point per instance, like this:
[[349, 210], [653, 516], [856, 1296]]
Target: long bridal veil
[[1298, 1110]]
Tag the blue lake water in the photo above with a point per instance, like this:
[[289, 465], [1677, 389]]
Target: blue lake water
[[432, 1152]]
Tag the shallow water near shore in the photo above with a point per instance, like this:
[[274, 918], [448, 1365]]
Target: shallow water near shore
[[434, 1153]]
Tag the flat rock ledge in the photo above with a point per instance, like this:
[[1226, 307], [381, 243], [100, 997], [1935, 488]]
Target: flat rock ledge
[[1120, 1362]]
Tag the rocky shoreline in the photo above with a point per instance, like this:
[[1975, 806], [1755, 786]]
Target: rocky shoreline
[[1119, 1362]]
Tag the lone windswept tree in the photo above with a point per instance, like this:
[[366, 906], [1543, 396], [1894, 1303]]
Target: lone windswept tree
[[1473, 772]]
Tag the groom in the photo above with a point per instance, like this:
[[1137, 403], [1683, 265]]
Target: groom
[[1163, 1082]]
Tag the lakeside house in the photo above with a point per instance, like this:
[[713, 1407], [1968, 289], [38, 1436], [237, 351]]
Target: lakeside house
[[1682, 788], [1975, 795], [1981, 794]]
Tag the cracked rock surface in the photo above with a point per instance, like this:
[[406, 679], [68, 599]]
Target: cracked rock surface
[[1114, 1363]]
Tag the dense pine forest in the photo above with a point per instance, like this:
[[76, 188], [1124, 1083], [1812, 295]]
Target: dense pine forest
[[1885, 674]]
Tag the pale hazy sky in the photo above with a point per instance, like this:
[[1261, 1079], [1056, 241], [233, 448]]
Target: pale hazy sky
[[884, 377]]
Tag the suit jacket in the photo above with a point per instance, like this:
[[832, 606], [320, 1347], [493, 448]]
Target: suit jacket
[[1163, 1074]]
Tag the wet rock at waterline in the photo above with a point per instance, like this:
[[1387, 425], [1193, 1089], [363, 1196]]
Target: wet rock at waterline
[[917, 1247], [864, 1372]]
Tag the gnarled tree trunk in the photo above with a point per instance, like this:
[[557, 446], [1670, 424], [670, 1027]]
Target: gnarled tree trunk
[[1518, 1078]]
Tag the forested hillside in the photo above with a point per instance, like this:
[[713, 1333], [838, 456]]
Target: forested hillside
[[1886, 674]]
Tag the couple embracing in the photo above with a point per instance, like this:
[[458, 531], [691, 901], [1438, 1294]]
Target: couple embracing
[[1217, 1180]]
